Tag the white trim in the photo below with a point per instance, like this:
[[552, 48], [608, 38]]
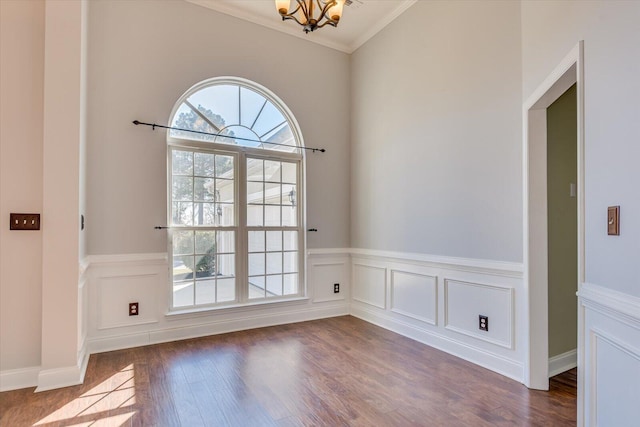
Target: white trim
[[382, 306], [617, 305], [625, 348], [340, 296], [177, 326], [392, 307], [328, 263], [508, 290], [329, 251], [610, 317], [504, 366], [83, 266], [323, 300], [482, 266], [146, 259], [498, 354], [49, 379], [139, 320], [563, 362], [570, 70], [234, 309], [555, 84], [300, 314], [595, 337], [14, 379]]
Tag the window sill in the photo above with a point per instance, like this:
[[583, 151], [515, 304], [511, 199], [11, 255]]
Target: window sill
[[234, 308]]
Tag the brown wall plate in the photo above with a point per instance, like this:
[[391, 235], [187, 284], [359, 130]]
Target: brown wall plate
[[613, 220]]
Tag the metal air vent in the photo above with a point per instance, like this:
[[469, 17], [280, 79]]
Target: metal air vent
[[354, 4]]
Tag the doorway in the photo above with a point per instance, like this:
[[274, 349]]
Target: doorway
[[569, 72], [562, 232]]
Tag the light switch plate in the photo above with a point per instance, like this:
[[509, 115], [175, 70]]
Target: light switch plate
[[613, 220]]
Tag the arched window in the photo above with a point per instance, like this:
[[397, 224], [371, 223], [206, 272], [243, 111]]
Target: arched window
[[235, 196]]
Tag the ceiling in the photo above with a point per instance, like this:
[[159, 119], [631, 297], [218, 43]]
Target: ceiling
[[360, 21]]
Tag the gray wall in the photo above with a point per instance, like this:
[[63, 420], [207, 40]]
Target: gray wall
[[143, 56], [562, 223], [436, 133], [550, 29]]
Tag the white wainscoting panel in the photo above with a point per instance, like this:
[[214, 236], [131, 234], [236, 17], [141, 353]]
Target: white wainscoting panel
[[418, 306], [116, 280], [415, 295], [322, 277], [116, 292], [617, 377], [465, 301], [611, 357], [370, 285], [413, 303]]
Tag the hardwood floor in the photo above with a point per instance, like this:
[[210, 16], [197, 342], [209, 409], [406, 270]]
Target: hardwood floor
[[331, 372]]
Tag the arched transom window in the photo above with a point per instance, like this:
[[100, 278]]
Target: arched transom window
[[235, 180], [237, 114]]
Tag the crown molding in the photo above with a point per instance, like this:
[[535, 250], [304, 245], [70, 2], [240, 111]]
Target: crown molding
[[276, 24]]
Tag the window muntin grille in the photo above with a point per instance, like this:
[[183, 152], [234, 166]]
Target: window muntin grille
[[223, 196]]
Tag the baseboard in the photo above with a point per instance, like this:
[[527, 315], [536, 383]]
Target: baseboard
[[49, 379], [14, 379], [118, 342], [563, 362], [43, 380], [503, 366]]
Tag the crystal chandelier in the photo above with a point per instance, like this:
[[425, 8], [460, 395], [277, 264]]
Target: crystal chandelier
[[304, 13]]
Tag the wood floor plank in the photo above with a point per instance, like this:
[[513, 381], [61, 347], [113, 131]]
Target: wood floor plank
[[332, 372]]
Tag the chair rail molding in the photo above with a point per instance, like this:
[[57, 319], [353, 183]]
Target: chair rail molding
[[620, 306], [498, 268]]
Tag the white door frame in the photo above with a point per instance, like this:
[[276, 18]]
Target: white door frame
[[534, 152]]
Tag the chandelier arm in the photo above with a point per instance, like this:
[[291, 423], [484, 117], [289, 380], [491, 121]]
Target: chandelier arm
[[324, 9], [302, 4], [328, 22], [294, 18], [290, 15]]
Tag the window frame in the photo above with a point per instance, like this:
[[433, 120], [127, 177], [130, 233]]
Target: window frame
[[241, 154]]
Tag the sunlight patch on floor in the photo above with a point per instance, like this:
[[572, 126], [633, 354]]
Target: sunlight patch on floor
[[93, 407]]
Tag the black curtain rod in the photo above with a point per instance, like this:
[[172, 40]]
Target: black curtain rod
[[154, 126]]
